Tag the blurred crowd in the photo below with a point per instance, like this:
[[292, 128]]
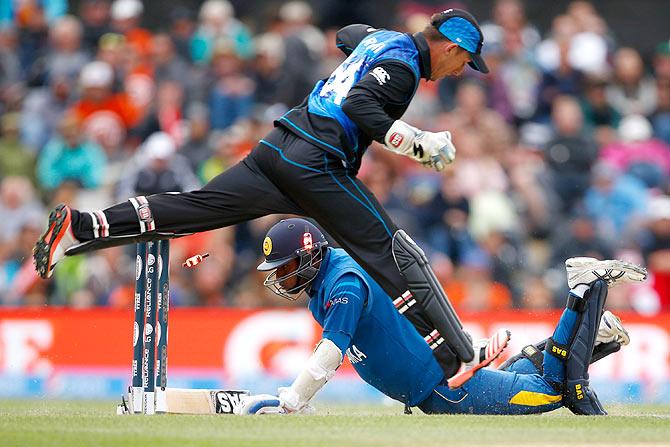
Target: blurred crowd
[[563, 149]]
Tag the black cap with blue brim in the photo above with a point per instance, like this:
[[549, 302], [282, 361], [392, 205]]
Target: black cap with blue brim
[[462, 28]]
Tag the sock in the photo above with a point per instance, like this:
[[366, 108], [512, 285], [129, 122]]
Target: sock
[[579, 290], [82, 226]]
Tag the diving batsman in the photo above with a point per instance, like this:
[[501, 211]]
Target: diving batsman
[[360, 321], [307, 166]]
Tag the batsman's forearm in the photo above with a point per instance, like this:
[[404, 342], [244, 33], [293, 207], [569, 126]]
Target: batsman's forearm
[[320, 368]]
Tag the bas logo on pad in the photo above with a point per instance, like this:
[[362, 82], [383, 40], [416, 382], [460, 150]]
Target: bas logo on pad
[[267, 246]]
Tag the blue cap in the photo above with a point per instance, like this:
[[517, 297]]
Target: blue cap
[[462, 28]]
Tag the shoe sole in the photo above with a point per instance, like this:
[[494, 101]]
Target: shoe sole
[[615, 321], [624, 269], [59, 218], [460, 378]]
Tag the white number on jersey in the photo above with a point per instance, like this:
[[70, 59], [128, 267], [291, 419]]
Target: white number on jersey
[[341, 81]]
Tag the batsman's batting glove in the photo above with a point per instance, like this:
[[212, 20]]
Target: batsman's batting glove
[[432, 149], [261, 404], [287, 402]]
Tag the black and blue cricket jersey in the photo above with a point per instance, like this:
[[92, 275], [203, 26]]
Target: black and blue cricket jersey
[[367, 92]]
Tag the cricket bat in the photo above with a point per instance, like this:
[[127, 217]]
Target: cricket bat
[[193, 401]]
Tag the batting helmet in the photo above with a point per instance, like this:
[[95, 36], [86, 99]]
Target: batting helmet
[[288, 240]]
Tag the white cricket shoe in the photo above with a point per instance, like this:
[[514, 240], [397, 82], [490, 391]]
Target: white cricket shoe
[[583, 270], [611, 329]]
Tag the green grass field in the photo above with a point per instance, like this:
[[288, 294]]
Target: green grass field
[[56, 423]]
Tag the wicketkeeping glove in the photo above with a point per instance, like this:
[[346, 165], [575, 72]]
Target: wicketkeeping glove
[[432, 149]]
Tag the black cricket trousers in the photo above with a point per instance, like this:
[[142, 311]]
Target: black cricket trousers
[[284, 174]]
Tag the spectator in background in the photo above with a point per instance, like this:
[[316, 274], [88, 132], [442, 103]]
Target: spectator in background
[[18, 205], [639, 154], [112, 50], [472, 289], [582, 35], [660, 119], [661, 61], [478, 172], [196, 148], [509, 18], [531, 189], [165, 114], [18, 284], [229, 147], [655, 244], [138, 74], [43, 108], [445, 219], [472, 114], [70, 157], [496, 89], [168, 65], [563, 29], [631, 90], [33, 38], [269, 75], [232, 91], [616, 203], [507, 258], [95, 16], [66, 57], [563, 80], [126, 18], [182, 27], [570, 153], [217, 22], [21, 211], [590, 46], [599, 115], [304, 47], [160, 169], [10, 66], [519, 77], [491, 212], [106, 116], [15, 158]]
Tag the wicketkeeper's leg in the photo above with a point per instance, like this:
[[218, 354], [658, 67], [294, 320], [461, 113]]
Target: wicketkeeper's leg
[[239, 194]]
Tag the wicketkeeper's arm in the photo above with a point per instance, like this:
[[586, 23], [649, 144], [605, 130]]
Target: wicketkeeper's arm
[[386, 84]]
